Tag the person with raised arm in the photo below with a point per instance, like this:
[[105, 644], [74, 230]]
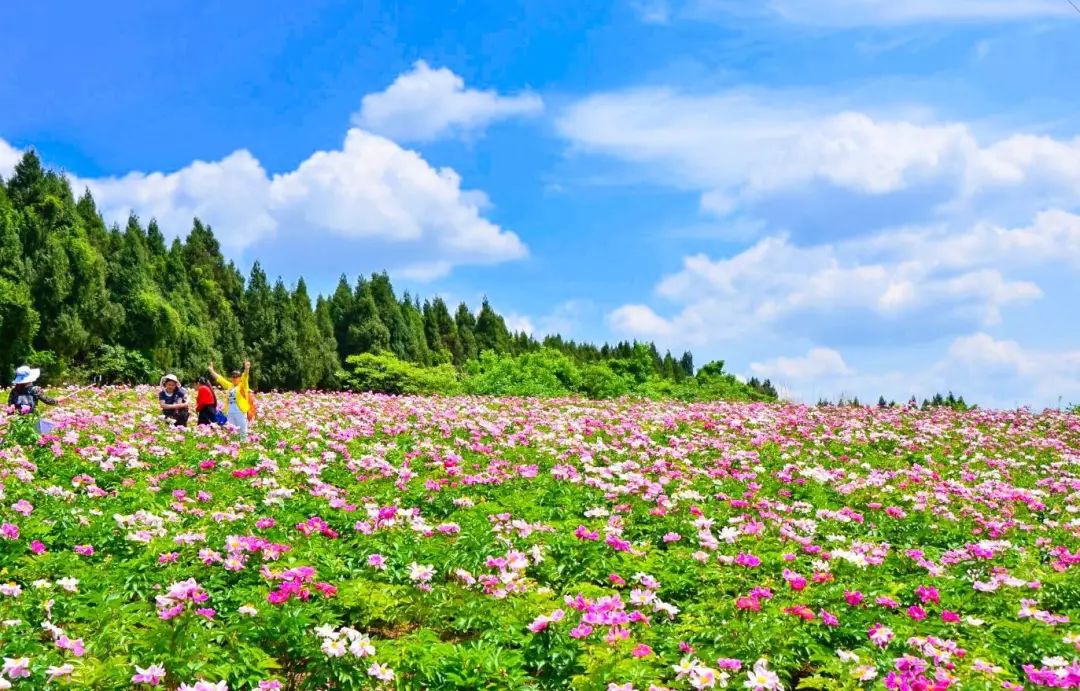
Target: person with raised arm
[[240, 408]]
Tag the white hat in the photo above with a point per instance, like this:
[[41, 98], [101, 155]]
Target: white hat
[[170, 377], [26, 375]]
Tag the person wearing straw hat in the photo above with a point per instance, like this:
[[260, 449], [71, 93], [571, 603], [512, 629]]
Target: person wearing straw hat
[[173, 400], [24, 396]]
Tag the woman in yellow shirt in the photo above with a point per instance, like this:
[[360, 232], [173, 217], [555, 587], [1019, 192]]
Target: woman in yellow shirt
[[241, 407]]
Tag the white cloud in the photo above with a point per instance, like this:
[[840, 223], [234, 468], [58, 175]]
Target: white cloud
[[855, 13], [818, 363], [425, 104], [740, 147], [232, 194], [565, 319], [369, 191], [935, 278], [639, 320], [9, 156], [652, 11], [1050, 371], [519, 323]]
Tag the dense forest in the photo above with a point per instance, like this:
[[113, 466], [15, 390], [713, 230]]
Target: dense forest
[[93, 303]]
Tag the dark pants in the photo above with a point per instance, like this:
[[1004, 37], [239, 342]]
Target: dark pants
[[178, 418], [206, 415]]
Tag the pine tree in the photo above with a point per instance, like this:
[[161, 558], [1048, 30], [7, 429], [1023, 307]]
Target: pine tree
[[368, 333], [467, 346], [687, 363], [259, 327], [441, 331], [417, 339], [491, 331], [382, 292]]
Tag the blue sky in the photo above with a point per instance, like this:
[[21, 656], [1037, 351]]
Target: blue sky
[[848, 196]]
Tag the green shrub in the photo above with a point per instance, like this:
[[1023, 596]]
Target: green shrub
[[386, 374]]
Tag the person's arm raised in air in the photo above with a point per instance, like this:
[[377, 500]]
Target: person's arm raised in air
[[221, 381]]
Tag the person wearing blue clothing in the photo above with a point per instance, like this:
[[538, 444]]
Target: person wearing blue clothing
[[24, 396], [173, 400]]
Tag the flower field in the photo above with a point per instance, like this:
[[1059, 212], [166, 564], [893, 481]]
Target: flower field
[[360, 541]]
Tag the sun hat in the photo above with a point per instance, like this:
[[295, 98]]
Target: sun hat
[[170, 377], [26, 375]]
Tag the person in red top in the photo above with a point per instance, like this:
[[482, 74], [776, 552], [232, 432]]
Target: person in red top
[[206, 403]]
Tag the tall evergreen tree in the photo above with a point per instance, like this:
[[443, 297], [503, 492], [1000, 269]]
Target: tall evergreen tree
[[491, 331], [467, 348], [368, 332]]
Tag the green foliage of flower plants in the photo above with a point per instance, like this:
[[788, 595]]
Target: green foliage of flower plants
[[360, 541]]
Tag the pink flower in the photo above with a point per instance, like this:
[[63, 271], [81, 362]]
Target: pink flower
[[880, 635], [829, 619], [84, 550], [747, 560], [853, 597], [581, 631], [22, 506], [917, 613], [151, 675], [377, 561], [37, 547], [641, 650], [950, 617], [9, 531]]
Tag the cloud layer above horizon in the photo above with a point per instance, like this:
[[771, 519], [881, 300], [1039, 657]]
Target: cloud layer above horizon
[[371, 191]]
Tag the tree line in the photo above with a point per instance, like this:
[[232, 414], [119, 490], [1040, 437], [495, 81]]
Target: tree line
[[90, 302]]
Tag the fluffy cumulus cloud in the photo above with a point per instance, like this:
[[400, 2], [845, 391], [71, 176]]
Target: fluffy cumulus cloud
[[369, 191], [817, 363], [883, 286], [371, 194], [1050, 373], [426, 103], [856, 13], [738, 148]]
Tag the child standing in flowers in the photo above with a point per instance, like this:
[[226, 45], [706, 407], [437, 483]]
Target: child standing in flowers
[[241, 408]]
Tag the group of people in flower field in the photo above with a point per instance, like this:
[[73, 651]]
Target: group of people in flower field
[[238, 410]]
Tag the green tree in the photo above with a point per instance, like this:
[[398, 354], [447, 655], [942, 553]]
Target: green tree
[[491, 331]]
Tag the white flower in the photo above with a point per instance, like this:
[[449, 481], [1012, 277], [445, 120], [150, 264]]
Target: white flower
[[326, 631], [761, 678], [381, 672], [334, 647], [69, 584]]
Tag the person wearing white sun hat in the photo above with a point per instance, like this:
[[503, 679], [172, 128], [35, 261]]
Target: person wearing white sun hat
[[173, 400], [24, 396]]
